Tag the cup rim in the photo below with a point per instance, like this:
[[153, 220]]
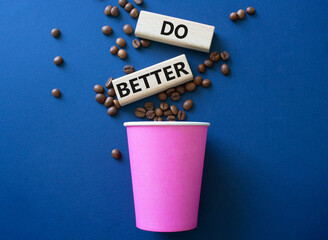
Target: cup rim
[[167, 123]]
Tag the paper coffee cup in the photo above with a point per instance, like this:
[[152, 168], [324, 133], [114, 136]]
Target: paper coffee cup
[[166, 160]]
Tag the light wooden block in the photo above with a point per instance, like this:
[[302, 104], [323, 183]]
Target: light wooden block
[[152, 80], [185, 33]]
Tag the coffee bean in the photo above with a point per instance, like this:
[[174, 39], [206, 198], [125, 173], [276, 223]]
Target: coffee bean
[[114, 11], [140, 112], [164, 106], [108, 10], [170, 118], [224, 55], [150, 114], [233, 16], [120, 42], [98, 88], [112, 111], [138, 1], [56, 93], [158, 112], [198, 80], [215, 56], [113, 50], [181, 89], [208, 63], [162, 96], [206, 83], [201, 68], [128, 7], [116, 154], [136, 43], [122, 54], [127, 29], [134, 13], [190, 86], [58, 60], [188, 104], [175, 96], [111, 92], [241, 14], [250, 10], [149, 106], [145, 43], [122, 3], [55, 32], [174, 109], [170, 91], [106, 30], [109, 82], [100, 98], [167, 112], [109, 102], [158, 119], [117, 104], [181, 115], [225, 69], [128, 69]]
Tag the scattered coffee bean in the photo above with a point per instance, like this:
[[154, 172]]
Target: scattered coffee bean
[[145, 43], [111, 92], [116, 154], [128, 69], [149, 106], [56, 93], [122, 54], [215, 56], [233, 16], [58, 60], [198, 80], [55, 32], [140, 112], [127, 29], [116, 104], [134, 13], [158, 119], [112, 111], [175, 96], [164, 106], [98, 88], [188, 104], [250, 10], [138, 1], [113, 50], [100, 98], [206, 83], [225, 69], [224, 55], [128, 7], [241, 14], [150, 114], [181, 115], [181, 89], [122, 3], [109, 102], [114, 11], [170, 91], [162, 96], [170, 118], [158, 112], [201, 68], [109, 82], [174, 109], [120, 42], [208, 63], [106, 30], [190, 86], [167, 112], [107, 10], [136, 43]]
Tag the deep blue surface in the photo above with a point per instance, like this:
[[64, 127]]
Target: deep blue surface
[[266, 166]]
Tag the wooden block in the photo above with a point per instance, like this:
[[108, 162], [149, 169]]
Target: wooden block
[[152, 80], [174, 31]]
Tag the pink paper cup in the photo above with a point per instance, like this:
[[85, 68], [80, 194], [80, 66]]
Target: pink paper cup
[[166, 160]]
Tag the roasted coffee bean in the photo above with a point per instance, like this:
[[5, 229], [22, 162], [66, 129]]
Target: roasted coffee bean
[[224, 55], [167, 112], [106, 30], [158, 112], [181, 89], [206, 83], [58, 60], [136, 43], [145, 43], [181, 115], [112, 111], [175, 96], [113, 50], [201, 68], [100, 98], [109, 102], [225, 69], [55, 32], [138, 1], [122, 54], [127, 29], [164, 106], [56, 93], [198, 80], [170, 118], [114, 11], [107, 10], [188, 104], [190, 86], [128, 7], [117, 104], [109, 82], [215, 56], [120, 42], [140, 112], [174, 109], [208, 63], [162, 96], [170, 91], [241, 14], [233, 16], [116, 154], [128, 69], [134, 13], [149, 106], [122, 3], [111, 92], [150, 114], [158, 119], [250, 10], [98, 88]]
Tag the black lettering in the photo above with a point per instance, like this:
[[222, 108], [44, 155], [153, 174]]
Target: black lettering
[[163, 28], [167, 73], [144, 77], [157, 75], [134, 85], [123, 87], [177, 31], [180, 69]]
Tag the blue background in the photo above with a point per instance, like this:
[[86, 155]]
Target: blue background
[[266, 166]]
